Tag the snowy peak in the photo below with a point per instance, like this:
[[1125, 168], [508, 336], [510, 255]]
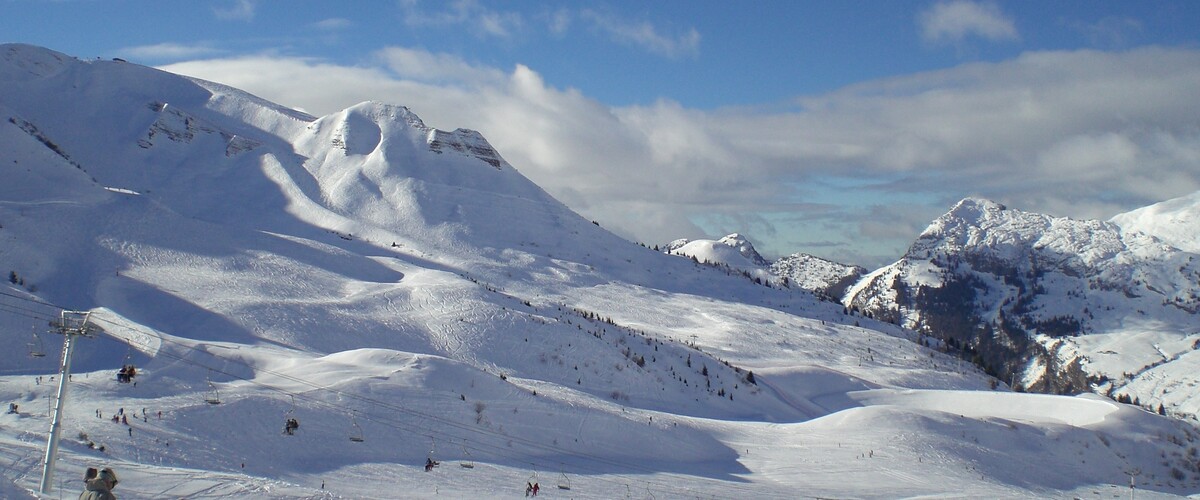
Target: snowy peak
[[733, 253], [733, 250], [1175, 221], [1013, 234], [745, 248], [360, 130], [971, 209]]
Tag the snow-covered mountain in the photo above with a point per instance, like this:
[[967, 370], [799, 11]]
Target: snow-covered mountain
[[733, 250], [406, 294], [1176, 222], [825, 277], [1049, 303], [732, 253]]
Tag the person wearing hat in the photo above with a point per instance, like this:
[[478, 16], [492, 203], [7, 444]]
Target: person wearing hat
[[99, 485]]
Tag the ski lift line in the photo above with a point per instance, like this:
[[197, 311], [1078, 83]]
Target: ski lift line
[[497, 449], [16, 307], [22, 312], [35, 301], [396, 424]]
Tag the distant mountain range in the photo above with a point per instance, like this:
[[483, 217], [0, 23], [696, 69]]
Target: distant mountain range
[[1048, 304]]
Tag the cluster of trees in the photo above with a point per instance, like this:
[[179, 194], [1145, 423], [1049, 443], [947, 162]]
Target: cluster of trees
[[15, 279], [1135, 401]]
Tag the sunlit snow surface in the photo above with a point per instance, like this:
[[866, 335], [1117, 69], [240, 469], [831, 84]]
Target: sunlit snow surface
[[348, 272]]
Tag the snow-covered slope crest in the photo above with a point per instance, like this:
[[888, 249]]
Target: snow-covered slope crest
[[1016, 289], [1175, 221]]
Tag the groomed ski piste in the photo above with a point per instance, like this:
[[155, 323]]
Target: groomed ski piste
[[405, 295]]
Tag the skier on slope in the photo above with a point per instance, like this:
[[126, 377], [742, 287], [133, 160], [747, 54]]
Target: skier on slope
[[99, 485]]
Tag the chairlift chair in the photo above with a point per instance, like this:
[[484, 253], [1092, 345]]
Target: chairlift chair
[[467, 463], [37, 349], [213, 397], [430, 462], [356, 435], [564, 482], [290, 423]]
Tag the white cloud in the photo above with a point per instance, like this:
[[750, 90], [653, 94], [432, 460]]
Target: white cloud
[[483, 21], [558, 22], [333, 24], [958, 19], [1110, 31], [645, 35], [1080, 134], [424, 66], [167, 51], [241, 10]]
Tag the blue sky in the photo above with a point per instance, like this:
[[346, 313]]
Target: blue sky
[[835, 128]]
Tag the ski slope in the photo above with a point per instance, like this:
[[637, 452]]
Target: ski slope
[[375, 278]]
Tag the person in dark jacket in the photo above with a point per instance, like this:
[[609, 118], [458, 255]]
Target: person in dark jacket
[[99, 486]]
